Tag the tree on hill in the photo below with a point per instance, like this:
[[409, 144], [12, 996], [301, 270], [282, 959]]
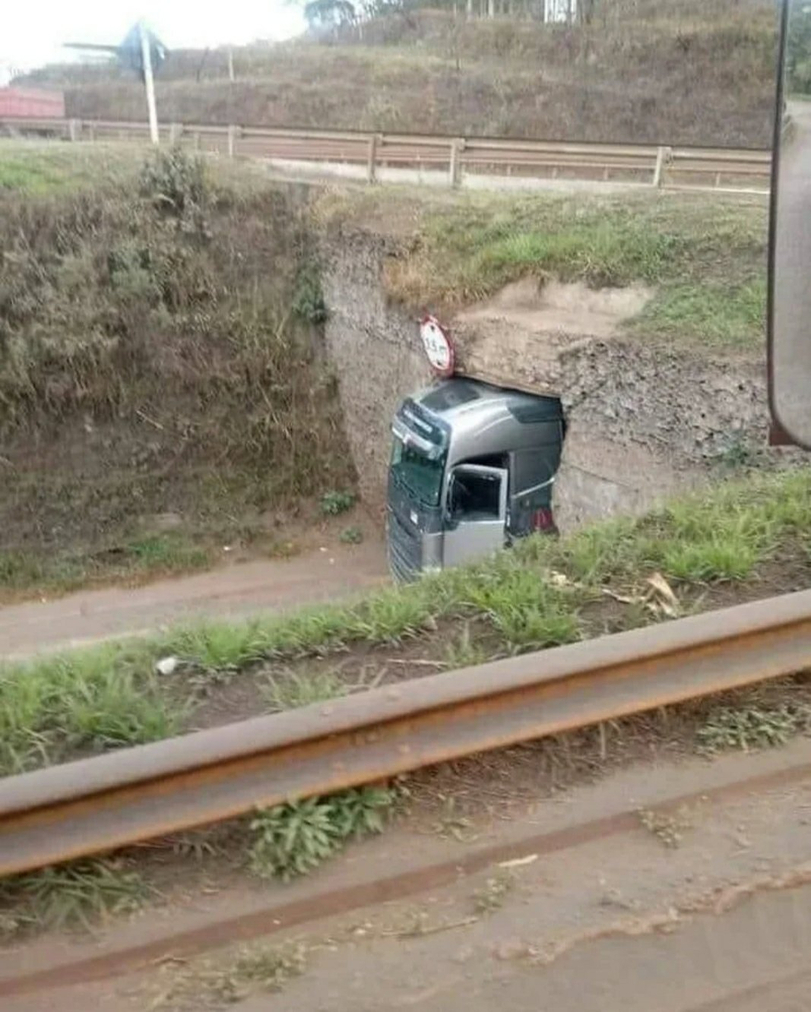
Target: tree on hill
[[329, 15]]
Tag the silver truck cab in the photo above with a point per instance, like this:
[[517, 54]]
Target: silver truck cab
[[472, 467]]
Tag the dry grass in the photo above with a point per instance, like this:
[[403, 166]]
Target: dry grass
[[151, 360], [25, 574], [672, 72], [220, 983]]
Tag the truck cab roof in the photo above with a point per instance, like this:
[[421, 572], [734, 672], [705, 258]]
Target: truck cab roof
[[484, 419]]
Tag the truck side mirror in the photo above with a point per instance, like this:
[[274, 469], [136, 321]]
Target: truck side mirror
[[789, 315]]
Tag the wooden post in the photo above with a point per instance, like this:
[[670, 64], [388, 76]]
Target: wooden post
[[455, 174], [75, 130], [175, 133], [371, 158], [233, 133], [196, 140], [662, 157]]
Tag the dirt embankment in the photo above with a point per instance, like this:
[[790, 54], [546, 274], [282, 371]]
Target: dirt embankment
[[676, 73], [159, 367]]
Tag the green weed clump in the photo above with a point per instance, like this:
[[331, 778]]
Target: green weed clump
[[70, 896], [217, 983], [752, 727], [104, 697], [293, 689], [351, 536], [335, 502], [294, 838]]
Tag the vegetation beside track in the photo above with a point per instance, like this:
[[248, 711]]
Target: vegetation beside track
[[738, 541]]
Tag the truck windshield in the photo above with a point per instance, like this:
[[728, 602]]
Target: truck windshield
[[421, 475]]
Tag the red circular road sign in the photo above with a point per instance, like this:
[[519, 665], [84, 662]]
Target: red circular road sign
[[438, 346]]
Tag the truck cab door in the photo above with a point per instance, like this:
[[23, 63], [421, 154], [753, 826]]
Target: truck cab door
[[475, 514]]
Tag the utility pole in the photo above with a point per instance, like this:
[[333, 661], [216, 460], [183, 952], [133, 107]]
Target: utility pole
[[149, 82], [230, 63]]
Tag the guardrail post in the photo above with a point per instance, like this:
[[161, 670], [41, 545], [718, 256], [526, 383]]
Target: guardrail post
[[175, 133], [371, 158], [91, 131], [455, 172], [74, 129], [662, 158], [233, 134], [196, 137]]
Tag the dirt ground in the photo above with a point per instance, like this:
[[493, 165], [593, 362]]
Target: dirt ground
[[328, 571], [674, 887]]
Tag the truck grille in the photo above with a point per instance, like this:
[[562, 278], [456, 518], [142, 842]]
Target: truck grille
[[405, 551]]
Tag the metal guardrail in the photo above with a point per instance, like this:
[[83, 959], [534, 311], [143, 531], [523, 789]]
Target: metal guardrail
[[659, 165], [98, 804]]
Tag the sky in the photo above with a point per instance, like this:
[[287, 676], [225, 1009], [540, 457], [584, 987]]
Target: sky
[[33, 31]]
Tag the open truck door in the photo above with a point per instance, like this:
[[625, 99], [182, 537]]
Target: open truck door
[[476, 513]]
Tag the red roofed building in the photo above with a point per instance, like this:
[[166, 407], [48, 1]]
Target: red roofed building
[[31, 103]]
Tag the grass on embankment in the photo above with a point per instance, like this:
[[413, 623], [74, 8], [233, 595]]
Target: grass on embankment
[[38, 168], [158, 366], [26, 574], [665, 71], [738, 541], [704, 254]]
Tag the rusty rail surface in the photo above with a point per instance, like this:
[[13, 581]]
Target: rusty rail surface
[[371, 154], [280, 912], [97, 804]]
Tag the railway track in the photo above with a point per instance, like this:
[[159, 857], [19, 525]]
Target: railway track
[[95, 805], [280, 913]]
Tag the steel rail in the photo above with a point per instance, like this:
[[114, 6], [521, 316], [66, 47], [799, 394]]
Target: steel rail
[[94, 805]]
